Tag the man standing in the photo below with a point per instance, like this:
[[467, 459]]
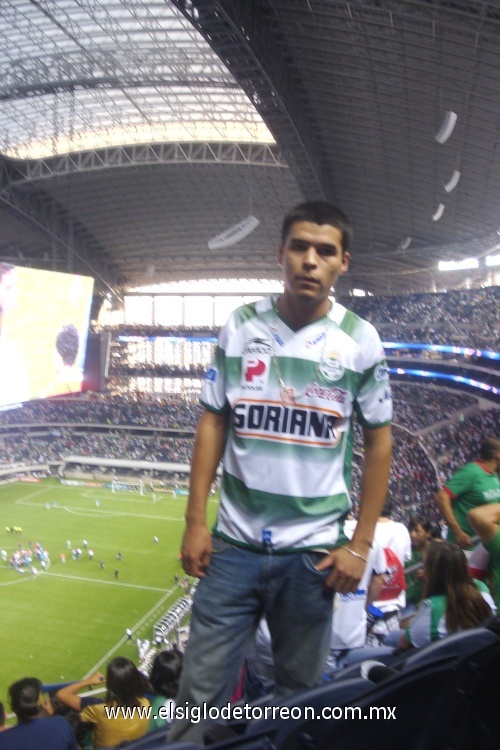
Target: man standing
[[288, 372], [474, 484], [484, 520]]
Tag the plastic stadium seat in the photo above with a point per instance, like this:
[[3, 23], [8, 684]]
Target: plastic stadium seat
[[466, 717], [157, 739], [457, 645], [452, 647]]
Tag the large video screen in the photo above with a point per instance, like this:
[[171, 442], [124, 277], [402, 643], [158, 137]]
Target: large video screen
[[44, 321]]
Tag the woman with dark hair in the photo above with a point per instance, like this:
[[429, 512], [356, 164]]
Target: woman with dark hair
[[36, 727], [124, 698], [164, 679], [452, 601]]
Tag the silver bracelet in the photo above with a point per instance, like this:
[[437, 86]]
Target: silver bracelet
[[356, 554]]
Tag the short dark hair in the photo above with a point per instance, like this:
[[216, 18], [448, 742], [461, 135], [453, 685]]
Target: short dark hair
[[67, 343], [2, 714], [489, 447], [319, 212], [422, 521], [386, 511], [24, 696]]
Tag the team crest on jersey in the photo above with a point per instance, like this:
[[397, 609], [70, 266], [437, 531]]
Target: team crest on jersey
[[331, 367], [256, 357]]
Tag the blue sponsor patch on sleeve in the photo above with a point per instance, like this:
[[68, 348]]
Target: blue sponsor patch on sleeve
[[211, 375]]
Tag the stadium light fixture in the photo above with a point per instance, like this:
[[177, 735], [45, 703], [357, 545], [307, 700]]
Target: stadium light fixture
[[404, 244], [458, 265], [234, 234], [446, 129], [452, 182], [493, 260], [438, 213]]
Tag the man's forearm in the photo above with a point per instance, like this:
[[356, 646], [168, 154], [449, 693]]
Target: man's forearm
[[443, 502], [208, 449], [375, 478]]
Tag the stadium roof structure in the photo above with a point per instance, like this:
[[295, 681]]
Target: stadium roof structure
[[132, 132]]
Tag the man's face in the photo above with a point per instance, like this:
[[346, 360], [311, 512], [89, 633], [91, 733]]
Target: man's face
[[8, 291], [419, 537], [312, 260]]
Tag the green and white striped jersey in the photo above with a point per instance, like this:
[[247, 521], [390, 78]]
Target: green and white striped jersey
[[287, 466]]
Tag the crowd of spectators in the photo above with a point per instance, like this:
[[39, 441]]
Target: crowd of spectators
[[458, 442], [459, 310], [37, 449], [433, 435], [121, 369], [413, 479], [65, 720], [168, 412], [417, 407], [463, 317]]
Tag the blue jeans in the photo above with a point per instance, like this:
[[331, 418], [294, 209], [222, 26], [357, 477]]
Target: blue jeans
[[239, 587]]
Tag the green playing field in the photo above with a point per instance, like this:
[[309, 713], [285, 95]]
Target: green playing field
[[66, 622]]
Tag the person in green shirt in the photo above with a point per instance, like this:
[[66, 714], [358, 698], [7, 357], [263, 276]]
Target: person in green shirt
[[164, 679], [474, 484], [420, 529], [484, 520]]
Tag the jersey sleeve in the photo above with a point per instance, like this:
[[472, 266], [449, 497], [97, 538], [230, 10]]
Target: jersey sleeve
[[373, 402], [459, 482], [213, 393]]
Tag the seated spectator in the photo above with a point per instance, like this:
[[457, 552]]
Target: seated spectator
[[164, 679], [126, 687], [350, 620], [82, 729], [36, 727], [453, 600], [420, 533], [395, 540]]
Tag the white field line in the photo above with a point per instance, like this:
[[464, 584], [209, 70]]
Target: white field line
[[107, 583], [136, 627], [100, 513]]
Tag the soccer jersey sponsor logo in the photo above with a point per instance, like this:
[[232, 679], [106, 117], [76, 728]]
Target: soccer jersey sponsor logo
[[211, 375], [254, 368], [331, 367], [316, 340], [256, 357], [493, 494], [339, 395], [381, 372], [277, 337], [296, 425]]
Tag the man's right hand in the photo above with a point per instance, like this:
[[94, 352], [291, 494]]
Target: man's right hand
[[462, 539], [196, 550]]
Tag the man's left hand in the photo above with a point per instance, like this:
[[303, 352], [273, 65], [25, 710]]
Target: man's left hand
[[347, 570]]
